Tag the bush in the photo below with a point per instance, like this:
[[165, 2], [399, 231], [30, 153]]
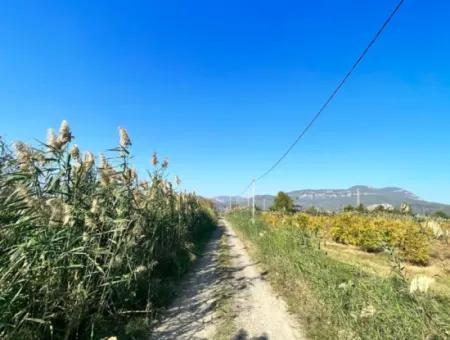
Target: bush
[[440, 214], [349, 208], [80, 242], [373, 233]]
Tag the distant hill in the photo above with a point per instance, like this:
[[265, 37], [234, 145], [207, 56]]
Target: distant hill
[[336, 199]]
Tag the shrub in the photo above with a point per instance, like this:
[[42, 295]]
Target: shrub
[[440, 214], [372, 233], [348, 208]]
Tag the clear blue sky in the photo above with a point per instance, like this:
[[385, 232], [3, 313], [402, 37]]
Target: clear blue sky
[[223, 87]]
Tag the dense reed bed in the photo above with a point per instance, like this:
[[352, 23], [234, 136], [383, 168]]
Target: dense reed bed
[[84, 241]]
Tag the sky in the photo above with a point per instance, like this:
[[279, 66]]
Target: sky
[[223, 87]]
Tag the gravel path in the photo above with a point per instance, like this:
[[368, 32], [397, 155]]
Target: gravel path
[[260, 314]]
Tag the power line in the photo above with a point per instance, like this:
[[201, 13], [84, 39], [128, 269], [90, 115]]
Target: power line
[[333, 94], [246, 188]]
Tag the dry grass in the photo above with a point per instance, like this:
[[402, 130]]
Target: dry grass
[[380, 263]]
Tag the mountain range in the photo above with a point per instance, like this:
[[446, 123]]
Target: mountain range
[[336, 199]]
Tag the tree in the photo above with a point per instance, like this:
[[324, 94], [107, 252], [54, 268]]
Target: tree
[[312, 210], [361, 208], [282, 202], [349, 208]]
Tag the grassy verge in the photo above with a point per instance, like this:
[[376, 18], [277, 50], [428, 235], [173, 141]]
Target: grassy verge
[[339, 300], [225, 312]]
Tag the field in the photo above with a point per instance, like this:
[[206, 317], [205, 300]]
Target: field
[[87, 249], [438, 267], [359, 289], [371, 240]]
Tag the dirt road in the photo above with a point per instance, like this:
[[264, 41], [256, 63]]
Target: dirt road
[[191, 316], [259, 313]]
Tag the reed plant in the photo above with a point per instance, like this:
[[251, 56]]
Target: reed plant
[[83, 239]]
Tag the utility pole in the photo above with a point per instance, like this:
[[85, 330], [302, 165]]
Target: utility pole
[[358, 198], [230, 202], [264, 204], [253, 207]]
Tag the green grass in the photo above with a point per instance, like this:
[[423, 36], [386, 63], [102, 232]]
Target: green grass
[[338, 300], [225, 327]]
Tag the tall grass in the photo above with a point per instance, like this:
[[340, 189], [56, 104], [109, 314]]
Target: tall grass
[[82, 240], [337, 300]]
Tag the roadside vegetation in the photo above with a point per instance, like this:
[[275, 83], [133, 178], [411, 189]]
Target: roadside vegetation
[[338, 299], [370, 232], [226, 315], [85, 245]]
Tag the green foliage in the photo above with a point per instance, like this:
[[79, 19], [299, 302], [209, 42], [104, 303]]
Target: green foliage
[[361, 208], [440, 214], [312, 211], [371, 232], [81, 243], [376, 232], [337, 300], [282, 202], [348, 208]]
